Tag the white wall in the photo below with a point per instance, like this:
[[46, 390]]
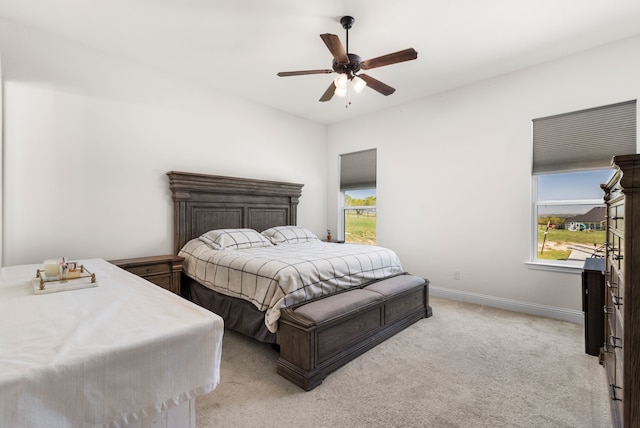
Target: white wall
[[454, 174], [1, 163], [88, 139]]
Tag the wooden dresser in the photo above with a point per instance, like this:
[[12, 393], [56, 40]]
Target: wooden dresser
[[163, 271], [621, 351]]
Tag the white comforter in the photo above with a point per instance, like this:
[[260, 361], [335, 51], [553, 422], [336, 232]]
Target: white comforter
[[107, 356], [275, 277]]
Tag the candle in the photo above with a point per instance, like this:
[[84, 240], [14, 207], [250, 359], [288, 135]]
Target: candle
[[52, 268]]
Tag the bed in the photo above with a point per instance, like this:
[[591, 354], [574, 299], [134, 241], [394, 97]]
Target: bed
[[207, 205], [122, 353]]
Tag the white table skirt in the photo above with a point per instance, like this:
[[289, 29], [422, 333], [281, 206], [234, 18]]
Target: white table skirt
[[103, 356]]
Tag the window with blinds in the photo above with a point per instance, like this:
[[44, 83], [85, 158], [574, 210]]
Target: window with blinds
[[358, 170], [571, 157], [358, 190], [584, 139]]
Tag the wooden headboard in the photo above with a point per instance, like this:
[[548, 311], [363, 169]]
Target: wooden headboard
[[204, 202]]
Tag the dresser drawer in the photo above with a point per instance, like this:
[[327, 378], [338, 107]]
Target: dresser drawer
[[150, 270], [616, 216], [615, 252], [163, 281], [616, 391], [610, 365], [163, 271]]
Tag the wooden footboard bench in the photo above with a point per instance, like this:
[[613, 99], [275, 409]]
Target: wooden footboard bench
[[319, 336]]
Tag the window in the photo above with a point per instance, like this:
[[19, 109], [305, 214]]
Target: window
[[570, 215], [358, 197], [571, 158], [359, 216]]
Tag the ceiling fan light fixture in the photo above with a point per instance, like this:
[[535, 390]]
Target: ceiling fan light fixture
[[358, 84], [341, 92], [341, 81]]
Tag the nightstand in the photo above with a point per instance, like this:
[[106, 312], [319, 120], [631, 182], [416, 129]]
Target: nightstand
[[163, 271]]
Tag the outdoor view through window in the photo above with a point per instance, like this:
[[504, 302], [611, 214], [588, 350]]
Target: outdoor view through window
[[571, 215], [360, 216]]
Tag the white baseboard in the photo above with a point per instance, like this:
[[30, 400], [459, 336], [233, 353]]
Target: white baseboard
[[510, 305]]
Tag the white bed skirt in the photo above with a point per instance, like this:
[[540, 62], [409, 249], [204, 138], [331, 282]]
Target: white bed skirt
[[181, 416]]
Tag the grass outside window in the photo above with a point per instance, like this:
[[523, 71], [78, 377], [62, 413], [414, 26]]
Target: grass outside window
[[560, 243], [360, 226]]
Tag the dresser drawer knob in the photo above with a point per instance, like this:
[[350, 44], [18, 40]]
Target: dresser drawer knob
[[611, 284], [617, 300], [614, 395], [613, 341], [607, 310]]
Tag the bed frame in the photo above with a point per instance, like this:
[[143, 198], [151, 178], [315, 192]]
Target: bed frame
[[341, 326], [205, 202]]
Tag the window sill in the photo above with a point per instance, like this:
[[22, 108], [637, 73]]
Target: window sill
[[566, 267]]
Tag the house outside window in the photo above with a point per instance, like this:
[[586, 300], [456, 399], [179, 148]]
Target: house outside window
[[358, 197], [572, 155]]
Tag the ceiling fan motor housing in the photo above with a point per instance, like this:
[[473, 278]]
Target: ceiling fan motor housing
[[350, 68]]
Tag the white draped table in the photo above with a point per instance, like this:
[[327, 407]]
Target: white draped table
[[112, 355]]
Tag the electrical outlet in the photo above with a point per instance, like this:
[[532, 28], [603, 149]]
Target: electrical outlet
[[456, 274]]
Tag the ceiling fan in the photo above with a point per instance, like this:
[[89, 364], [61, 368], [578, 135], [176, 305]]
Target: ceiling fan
[[347, 65]]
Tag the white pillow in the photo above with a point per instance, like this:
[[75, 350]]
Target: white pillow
[[289, 235], [234, 239]]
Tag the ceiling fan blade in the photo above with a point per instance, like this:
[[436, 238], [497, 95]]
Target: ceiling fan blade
[[377, 85], [328, 94], [303, 72], [392, 58], [335, 47]]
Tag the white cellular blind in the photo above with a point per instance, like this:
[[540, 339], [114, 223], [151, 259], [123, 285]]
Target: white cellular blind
[[358, 170], [584, 139]]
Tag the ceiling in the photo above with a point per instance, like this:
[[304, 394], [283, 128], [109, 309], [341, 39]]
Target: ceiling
[[239, 45]]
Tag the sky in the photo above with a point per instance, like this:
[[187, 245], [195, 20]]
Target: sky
[[580, 185], [573, 185], [361, 194], [552, 187]]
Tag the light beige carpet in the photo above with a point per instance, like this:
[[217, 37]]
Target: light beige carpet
[[467, 366]]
